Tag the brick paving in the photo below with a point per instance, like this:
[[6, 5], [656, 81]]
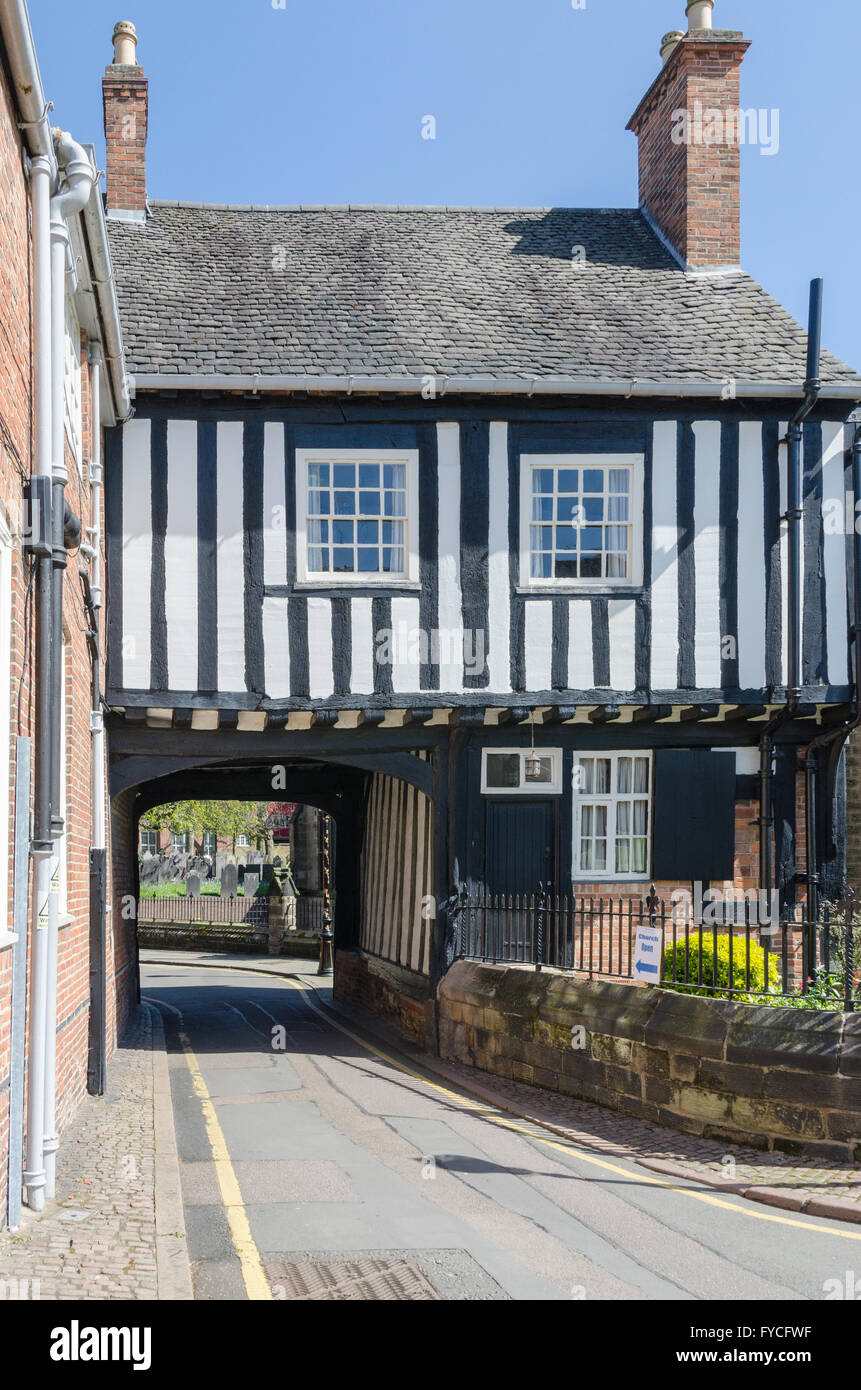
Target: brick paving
[[98, 1239]]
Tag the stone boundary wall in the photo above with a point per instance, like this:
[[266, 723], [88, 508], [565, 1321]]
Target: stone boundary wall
[[773, 1078], [403, 998]]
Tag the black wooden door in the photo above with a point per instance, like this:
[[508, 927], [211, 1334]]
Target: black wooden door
[[520, 852]]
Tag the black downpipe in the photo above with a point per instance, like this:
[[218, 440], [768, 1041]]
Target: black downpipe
[[794, 516], [839, 736], [42, 841], [58, 567], [96, 1040]]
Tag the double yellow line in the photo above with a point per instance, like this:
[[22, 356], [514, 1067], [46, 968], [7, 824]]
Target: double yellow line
[[254, 1278]]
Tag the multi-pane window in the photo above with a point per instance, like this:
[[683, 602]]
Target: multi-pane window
[[612, 822], [529, 772], [357, 519], [242, 842], [209, 842], [178, 842], [581, 523], [581, 519], [149, 842]]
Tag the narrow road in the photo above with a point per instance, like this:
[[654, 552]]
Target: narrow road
[[318, 1163]]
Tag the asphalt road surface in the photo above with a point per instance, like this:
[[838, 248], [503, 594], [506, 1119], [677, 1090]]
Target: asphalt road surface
[[317, 1163]]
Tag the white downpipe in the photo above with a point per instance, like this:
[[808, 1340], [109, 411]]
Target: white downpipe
[[34, 1169], [97, 718], [78, 185]]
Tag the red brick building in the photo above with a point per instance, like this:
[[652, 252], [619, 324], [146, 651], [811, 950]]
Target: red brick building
[[61, 380]]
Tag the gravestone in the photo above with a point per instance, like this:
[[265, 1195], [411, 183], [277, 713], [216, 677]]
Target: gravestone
[[192, 886], [267, 872], [251, 882], [220, 861], [228, 881], [149, 868]]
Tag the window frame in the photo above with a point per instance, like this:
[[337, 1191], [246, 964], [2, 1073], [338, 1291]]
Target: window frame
[[410, 577], [184, 836], [633, 461], [553, 788], [243, 841], [611, 799], [148, 830], [210, 836]]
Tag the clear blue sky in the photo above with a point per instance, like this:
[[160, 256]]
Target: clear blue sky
[[322, 102]]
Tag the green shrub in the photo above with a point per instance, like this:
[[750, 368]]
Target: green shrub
[[681, 968]]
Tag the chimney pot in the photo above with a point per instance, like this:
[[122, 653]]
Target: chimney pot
[[699, 13], [669, 44], [125, 41], [125, 96]]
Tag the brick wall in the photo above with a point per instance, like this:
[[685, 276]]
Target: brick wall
[[692, 190], [16, 445], [124, 90], [15, 460]]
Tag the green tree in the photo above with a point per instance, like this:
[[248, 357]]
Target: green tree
[[226, 818]]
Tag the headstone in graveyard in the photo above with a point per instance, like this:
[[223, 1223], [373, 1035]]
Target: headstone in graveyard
[[228, 881], [192, 886], [251, 882], [149, 868]]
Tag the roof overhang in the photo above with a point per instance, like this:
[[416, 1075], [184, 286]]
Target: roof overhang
[[437, 385]]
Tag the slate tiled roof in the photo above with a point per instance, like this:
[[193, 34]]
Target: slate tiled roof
[[455, 292]]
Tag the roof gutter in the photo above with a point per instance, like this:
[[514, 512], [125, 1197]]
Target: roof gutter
[[18, 41], [436, 384], [109, 310]]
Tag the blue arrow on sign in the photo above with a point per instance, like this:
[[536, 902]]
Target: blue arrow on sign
[[646, 969]]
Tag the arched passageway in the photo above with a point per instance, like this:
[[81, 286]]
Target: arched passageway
[[384, 869]]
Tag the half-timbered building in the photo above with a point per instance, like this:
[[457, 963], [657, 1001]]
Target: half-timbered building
[[503, 535]]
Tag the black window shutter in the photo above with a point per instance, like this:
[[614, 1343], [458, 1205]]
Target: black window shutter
[[694, 815]]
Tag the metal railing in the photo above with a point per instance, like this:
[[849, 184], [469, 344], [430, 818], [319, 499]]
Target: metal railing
[[744, 957], [309, 914], [208, 907]]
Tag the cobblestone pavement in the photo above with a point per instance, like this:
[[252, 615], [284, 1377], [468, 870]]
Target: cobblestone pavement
[[98, 1239], [818, 1188]]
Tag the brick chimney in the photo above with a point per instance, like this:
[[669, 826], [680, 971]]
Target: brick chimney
[[688, 127], [125, 95]]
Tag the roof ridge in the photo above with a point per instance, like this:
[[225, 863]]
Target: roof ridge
[[373, 207]]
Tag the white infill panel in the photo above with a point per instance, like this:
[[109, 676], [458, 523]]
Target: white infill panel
[[180, 555], [836, 615], [230, 564], [622, 615], [362, 644], [707, 639], [665, 558], [320, 671], [450, 598], [751, 558], [498, 638], [274, 506], [407, 640], [276, 647], [137, 555], [581, 664], [539, 644]]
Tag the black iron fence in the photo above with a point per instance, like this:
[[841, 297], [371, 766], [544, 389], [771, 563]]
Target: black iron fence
[[252, 913], [730, 948]]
